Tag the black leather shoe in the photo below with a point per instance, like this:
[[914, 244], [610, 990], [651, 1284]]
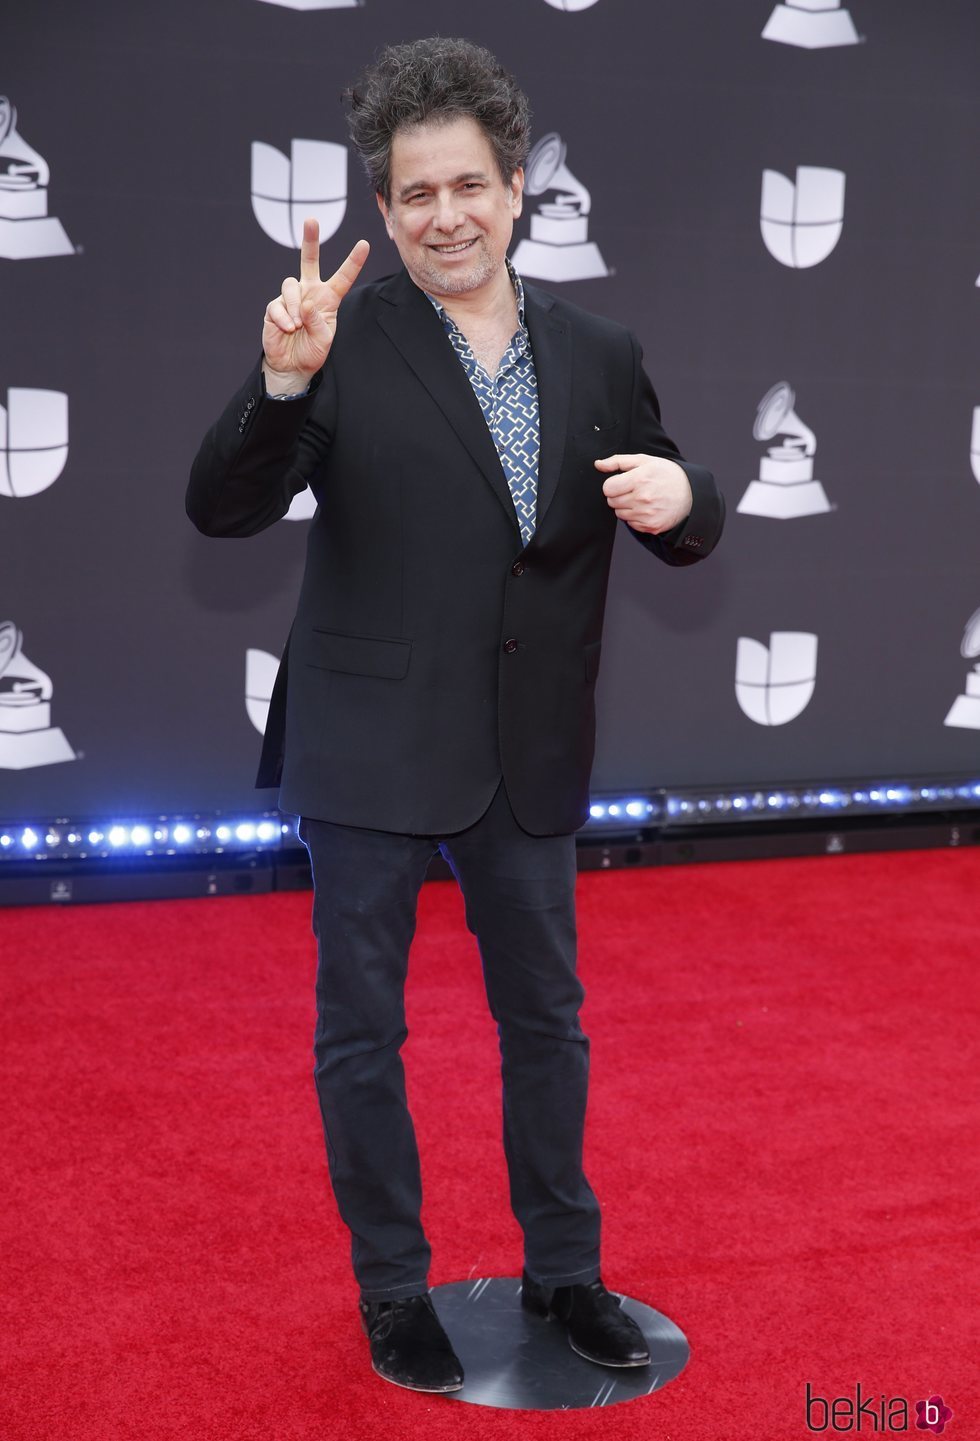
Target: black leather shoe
[[409, 1345], [597, 1327]]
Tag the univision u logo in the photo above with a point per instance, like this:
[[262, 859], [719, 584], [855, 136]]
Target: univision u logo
[[33, 441], [311, 180], [261, 670], [802, 219], [774, 683]]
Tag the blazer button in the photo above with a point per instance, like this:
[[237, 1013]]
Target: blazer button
[[510, 646], [517, 568]]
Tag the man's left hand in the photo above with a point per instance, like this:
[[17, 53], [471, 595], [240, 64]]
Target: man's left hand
[[650, 493]]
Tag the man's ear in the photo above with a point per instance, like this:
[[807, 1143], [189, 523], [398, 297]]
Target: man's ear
[[386, 214], [517, 191]]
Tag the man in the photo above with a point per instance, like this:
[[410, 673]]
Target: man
[[470, 443]]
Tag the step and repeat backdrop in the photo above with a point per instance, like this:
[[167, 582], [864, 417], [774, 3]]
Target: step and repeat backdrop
[[781, 199]]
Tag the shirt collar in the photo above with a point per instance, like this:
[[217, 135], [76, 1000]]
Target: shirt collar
[[518, 285]]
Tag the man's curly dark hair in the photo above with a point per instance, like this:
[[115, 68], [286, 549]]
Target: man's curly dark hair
[[436, 80]]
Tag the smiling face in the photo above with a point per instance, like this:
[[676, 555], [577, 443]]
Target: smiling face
[[451, 215]]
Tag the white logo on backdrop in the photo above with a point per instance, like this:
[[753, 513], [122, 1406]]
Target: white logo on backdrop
[[312, 180], [27, 737], [303, 506], [27, 231], [774, 684], [975, 443], [316, 4], [261, 670], [559, 247], [570, 4], [965, 710], [785, 488], [812, 24], [802, 220], [33, 441]]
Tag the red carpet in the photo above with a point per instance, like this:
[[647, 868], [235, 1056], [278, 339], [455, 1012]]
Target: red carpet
[[783, 1134]]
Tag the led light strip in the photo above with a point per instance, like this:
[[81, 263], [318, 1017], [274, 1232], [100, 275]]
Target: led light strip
[[640, 811], [215, 835], [161, 836], [714, 807]]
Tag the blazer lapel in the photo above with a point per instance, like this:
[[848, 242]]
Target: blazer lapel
[[551, 346], [413, 327]]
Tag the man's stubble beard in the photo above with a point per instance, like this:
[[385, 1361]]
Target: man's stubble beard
[[447, 282]]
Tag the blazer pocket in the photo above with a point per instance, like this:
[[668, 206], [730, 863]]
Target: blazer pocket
[[586, 446], [360, 654], [600, 437]]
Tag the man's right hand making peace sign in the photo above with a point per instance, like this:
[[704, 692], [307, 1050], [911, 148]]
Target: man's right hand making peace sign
[[301, 322]]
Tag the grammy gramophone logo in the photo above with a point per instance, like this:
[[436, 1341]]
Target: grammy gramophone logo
[[785, 488], [310, 181], [559, 247], [811, 24], [571, 4], [802, 219], [27, 737], [27, 231], [965, 710]]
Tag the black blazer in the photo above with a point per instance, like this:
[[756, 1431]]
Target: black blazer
[[431, 651]]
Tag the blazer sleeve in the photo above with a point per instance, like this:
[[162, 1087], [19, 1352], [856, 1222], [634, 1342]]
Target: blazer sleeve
[[697, 536], [258, 455]]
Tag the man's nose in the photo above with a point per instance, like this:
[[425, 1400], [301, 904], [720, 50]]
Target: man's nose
[[448, 216]]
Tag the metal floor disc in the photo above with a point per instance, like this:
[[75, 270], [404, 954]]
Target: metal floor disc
[[514, 1360]]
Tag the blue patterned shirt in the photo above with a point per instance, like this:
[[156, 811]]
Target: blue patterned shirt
[[509, 401]]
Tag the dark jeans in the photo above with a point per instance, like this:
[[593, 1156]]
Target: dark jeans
[[519, 894]]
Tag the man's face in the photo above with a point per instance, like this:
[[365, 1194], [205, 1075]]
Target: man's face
[[451, 215]]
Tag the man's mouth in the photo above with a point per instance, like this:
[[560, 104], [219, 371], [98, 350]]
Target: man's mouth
[[455, 248]]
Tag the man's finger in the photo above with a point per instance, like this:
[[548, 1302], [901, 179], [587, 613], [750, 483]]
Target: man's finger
[[617, 485], [277, 314], [292, 296], [315, 325], [342, 280], [309, 255], [619, 462]]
